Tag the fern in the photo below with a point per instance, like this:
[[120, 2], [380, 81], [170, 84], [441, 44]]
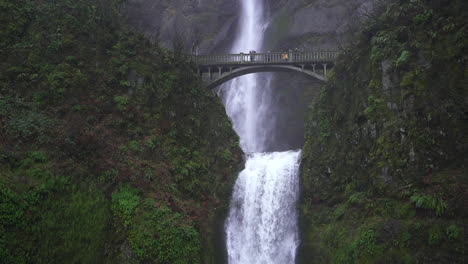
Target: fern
[[357, 198], [429, 202]]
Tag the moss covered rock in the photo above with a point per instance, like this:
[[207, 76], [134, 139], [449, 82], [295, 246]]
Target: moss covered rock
[[383, 171], [111, 150]]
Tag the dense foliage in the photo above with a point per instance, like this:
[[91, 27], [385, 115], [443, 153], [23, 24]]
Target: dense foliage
[[384, 172], [110, 149]]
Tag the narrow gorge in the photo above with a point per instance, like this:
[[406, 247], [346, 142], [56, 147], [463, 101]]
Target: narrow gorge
[[340, 137]]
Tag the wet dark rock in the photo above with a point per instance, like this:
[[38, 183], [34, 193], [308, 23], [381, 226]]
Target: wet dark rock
[[206, 25]]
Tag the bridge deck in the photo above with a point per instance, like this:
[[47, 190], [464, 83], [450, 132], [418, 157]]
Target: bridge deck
[[266, 58]]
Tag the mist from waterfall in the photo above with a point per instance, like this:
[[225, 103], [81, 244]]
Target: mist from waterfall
[[262, 224], [246, 105]]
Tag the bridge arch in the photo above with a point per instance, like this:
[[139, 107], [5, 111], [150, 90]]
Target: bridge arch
[[212, 84], [218, 69]]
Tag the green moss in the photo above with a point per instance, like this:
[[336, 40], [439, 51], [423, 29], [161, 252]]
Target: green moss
[[435, 236], [403, 59], [375, 109], [134, 146], [357, 198], [382, 155], [408, 79], [72, 228], [125, 200], [89, 107], [121, 101], [161, 235], [70, 222], [454, 232], [365, 246]]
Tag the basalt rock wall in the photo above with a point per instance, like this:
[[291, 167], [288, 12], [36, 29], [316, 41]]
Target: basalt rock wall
[[306, 25], [207, 25], [384, 164]]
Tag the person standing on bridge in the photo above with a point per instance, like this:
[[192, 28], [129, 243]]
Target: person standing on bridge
[[252, 55], [296, 54]]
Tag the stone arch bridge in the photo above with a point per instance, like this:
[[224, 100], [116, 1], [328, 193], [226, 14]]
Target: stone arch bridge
[[218, 69]]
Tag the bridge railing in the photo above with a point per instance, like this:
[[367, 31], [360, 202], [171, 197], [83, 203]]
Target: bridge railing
[[266, 58]]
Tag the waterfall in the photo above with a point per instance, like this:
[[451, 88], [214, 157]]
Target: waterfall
[[261, 227], [246, 105]]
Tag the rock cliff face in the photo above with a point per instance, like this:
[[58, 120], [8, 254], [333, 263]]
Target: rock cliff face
[[211, 24], [384, 165], [314, 24], [206, 24], [305, 25]]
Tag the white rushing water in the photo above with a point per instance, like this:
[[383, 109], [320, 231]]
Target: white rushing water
[[262, 224], [246, 103]]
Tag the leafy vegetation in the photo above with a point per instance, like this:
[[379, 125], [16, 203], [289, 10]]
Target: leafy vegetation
[[95, 119], [429, 202], [124, 202], [37, 213], [384, 167], [177, 241]]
